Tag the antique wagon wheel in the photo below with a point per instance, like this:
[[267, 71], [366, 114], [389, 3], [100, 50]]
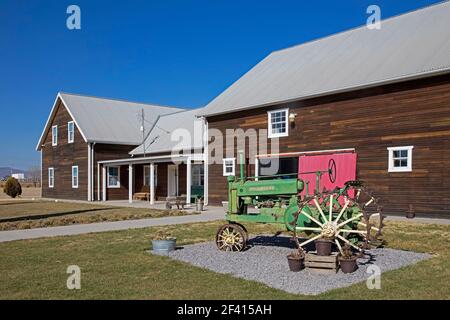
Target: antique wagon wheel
[[231, 237], [373, 218], [341, 219]]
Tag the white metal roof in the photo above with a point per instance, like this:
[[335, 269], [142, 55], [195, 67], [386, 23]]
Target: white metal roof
[[412, 45], [106, 120], [174, 132]]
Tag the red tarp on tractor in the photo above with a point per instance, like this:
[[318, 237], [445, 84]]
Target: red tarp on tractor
[[345, 170]]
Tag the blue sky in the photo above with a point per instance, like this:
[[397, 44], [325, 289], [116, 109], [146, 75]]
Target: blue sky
[[181, 53]]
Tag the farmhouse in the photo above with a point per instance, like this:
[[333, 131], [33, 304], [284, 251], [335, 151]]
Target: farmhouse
[[376, 101], [85, 139]]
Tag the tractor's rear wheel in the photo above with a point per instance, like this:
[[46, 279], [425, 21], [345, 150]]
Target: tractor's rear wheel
[[354, 218], [373, 218], [231, 237]]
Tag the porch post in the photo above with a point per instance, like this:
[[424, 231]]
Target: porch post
[[188, 179], [256, 168], [152, 183], [104, 182], [98, 182], [130, 183], [206, 162], [205, 182], [93, 172]]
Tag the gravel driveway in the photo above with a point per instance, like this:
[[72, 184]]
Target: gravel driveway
[[265, 261]]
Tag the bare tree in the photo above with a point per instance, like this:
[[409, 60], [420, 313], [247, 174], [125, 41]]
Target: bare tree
[[34, 173]]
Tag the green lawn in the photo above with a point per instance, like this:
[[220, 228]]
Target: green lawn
[[26, 214], [116, 265]]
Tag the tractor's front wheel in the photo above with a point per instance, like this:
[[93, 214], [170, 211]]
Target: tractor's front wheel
[[231, 237]]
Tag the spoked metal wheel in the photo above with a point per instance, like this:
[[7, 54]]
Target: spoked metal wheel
[[372, 218], [231, 237], [340, 218]]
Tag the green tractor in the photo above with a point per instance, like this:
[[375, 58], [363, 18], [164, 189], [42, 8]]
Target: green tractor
[[349, 215]]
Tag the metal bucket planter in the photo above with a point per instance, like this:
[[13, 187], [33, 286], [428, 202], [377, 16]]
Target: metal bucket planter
[[295, 262], [199, 205], [323, 247], [348, 265], [165, 245]]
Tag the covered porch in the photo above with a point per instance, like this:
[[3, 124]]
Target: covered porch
[[152, 179]]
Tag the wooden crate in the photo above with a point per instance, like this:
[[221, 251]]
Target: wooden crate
[[322, 264]]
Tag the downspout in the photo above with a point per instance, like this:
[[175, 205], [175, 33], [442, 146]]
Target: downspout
[[98, 182], [89, 198], [41, 171], [205, 160], [93, 172]]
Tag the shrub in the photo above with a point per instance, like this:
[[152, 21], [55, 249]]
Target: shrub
[[12, 187]]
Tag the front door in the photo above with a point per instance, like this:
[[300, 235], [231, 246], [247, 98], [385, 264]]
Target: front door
[[172, 180]]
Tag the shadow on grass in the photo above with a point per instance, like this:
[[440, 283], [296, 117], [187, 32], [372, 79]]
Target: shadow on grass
[[15, 202], [50, 215]]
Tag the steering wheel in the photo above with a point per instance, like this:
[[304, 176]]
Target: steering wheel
[[332, 172]]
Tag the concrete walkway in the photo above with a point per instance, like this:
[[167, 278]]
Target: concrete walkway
[[419, 220], [212, 214], [123, 203]]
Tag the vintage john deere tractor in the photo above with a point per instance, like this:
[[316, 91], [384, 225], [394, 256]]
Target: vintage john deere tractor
[[346, 215]]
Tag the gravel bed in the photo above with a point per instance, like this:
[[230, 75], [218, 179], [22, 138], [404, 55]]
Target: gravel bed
[[265, 261]]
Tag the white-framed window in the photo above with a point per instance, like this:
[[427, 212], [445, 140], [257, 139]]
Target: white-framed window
[[113, 177], [147, 175], [54, 135], [400, 159], [278, 123], [198, 175], [70, 132], [229, 166], [51, 177], [74, 176]]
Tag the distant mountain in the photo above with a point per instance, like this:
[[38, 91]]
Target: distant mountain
[[6, 171]]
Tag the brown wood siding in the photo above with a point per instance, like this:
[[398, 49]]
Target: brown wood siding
[[62, 157], [122, 192], [161, 189], [413, 113], [104, 152], [138, 177], [182, 179]]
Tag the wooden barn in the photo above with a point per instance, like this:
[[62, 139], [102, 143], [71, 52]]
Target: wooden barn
[[375, 100], [382, 95]]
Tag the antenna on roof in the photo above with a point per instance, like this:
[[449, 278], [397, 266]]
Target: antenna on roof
[[143, 129], [146, 134]]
